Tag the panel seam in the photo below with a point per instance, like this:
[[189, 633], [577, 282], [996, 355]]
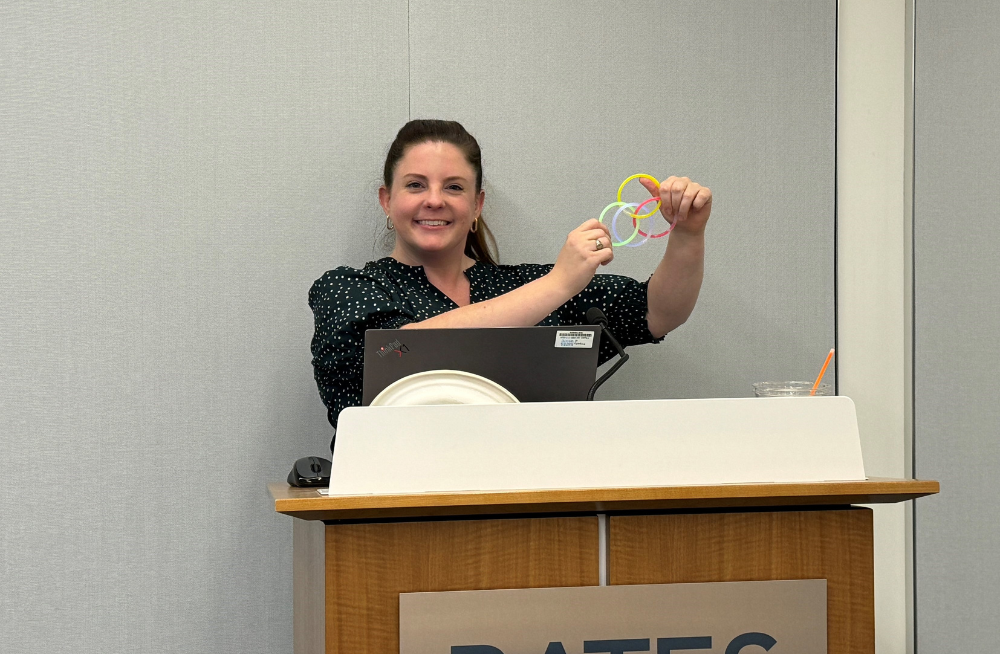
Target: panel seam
[[836, 192], [913, 318], [409, 68]]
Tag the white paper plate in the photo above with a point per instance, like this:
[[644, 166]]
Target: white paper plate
[[443, 387]]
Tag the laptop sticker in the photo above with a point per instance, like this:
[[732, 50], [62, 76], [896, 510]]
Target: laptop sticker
[[574, 339]]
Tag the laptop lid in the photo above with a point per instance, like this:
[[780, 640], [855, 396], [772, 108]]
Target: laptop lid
[[536, 364]]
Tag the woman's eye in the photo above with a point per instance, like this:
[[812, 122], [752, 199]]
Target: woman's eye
[[455, 187], [413, 185]]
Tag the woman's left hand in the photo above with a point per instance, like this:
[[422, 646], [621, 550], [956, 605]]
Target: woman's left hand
[[687, 203]]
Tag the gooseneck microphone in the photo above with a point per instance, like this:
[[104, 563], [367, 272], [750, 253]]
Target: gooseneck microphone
[[596, 317]]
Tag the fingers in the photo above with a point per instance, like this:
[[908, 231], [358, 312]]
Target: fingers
[[703, 199], [592, 234], [591, 231], [671, 195], [604, 250], [603, 253], [653, 189], [587, 241], [602, 242], [679, 195], [687, 197], [593, 224], [587, 247]]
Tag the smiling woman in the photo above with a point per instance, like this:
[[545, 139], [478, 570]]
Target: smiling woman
[[443, 271]]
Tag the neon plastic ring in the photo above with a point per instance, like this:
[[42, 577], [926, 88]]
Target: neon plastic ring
[[640, 176], [605, 212], [614, 229], [614, 221], [670, 228], [626, 206]]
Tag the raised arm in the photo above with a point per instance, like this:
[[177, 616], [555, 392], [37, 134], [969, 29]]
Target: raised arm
[[675, 284], [530, 304]]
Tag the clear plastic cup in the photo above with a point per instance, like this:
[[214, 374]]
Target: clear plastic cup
[[789, 389]]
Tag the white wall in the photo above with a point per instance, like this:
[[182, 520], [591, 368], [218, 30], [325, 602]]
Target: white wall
[[872, 289]]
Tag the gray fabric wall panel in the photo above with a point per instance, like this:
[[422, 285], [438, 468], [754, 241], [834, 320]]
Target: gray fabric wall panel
[[174, 177], [568, 101], [957, 321]]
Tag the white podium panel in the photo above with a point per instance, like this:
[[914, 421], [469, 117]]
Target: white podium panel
[[453, 448]]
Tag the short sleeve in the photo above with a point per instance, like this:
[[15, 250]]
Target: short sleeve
[[345, 302], [623, 300]]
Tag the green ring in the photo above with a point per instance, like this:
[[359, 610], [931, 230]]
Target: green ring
[[609, 208]]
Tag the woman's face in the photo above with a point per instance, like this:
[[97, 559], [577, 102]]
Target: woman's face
[[432, 203]]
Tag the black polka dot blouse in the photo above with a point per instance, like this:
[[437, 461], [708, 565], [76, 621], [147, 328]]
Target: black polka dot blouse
[[387, 294]]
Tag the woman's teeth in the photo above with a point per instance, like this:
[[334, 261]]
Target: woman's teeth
[[432, 223]]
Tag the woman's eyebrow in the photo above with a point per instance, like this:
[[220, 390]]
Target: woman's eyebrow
[[446, 179]]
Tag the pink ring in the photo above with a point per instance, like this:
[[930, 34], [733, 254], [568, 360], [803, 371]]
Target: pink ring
[[661, 234]]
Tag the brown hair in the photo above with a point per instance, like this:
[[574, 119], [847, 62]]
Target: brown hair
[[479, 245]]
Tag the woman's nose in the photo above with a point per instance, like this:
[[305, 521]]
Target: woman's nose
[[433, 198]]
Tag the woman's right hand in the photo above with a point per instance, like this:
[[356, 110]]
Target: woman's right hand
[[580, 256]]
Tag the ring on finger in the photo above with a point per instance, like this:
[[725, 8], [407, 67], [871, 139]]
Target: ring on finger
[[600, 244]]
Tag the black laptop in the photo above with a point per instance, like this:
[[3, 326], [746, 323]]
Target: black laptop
[[536, 364]]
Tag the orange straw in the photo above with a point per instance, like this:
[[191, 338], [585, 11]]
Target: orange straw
[[822, 372]]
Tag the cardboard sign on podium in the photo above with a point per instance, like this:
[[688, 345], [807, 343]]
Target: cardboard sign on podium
[[454, 448]]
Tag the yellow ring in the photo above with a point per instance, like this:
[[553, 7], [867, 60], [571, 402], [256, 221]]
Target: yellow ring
[[621, 188]]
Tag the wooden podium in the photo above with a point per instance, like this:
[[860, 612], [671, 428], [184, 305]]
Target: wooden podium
[[353, 556]]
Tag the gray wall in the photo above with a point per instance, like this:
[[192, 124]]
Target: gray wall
[[957, 323], [738, 96], [175, 175]]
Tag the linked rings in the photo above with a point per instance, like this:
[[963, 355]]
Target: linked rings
[[634, 211]]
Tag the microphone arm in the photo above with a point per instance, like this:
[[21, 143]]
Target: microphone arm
[[596, 317]]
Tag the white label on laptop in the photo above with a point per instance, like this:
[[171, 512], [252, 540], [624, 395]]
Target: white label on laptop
[[574, 339]]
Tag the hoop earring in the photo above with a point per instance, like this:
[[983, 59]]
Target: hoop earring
[[475, 225], [388, 223]]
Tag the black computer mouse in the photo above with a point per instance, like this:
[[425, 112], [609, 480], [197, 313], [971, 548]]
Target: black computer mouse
[[310, 471]]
